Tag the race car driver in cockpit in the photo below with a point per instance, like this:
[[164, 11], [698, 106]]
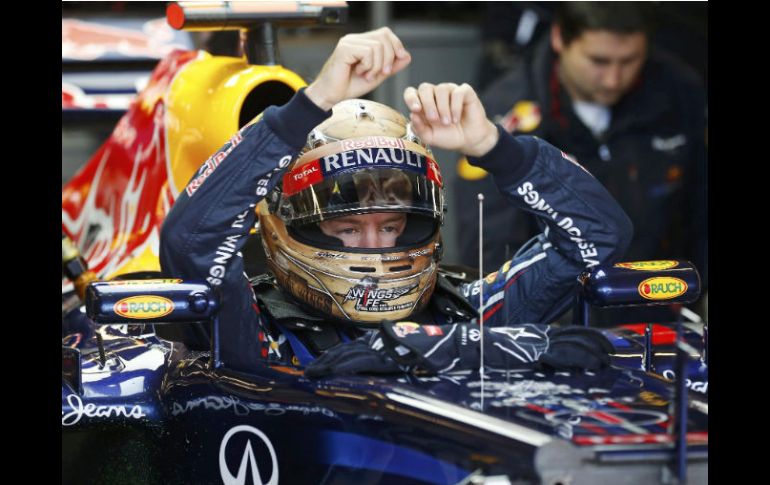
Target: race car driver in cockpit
[[350, 202]]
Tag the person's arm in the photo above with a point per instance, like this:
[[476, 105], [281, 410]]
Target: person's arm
[[209, 223], [584, 225]]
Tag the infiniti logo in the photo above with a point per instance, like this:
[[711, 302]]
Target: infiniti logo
[[248, 461]]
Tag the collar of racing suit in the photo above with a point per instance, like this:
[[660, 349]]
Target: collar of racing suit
[[310, 333]]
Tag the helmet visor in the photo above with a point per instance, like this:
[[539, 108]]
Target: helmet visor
[[362, 181]]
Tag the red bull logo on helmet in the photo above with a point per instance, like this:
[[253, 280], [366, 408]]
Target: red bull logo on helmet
[[372, 142], [144, 307], [662, 288]]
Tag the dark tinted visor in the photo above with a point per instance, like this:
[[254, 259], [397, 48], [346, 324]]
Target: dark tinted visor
[[362, 181]]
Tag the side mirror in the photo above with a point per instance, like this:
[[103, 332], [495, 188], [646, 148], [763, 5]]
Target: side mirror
[[142, 302], [636, 283]]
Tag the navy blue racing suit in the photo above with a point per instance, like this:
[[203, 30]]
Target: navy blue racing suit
[[210, 222]]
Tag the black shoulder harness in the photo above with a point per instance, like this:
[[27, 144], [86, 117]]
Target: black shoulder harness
[[448, 301], [312, 329]]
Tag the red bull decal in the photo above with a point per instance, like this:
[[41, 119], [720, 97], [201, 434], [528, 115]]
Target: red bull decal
[[402, 329], [372, 142], [211, 164], [144, 307], [662, 288], [648, 265], [113, 208]]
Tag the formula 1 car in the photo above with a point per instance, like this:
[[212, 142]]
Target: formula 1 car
[[139, 407]]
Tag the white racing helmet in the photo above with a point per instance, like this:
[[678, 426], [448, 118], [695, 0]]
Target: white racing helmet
[[363, 159]]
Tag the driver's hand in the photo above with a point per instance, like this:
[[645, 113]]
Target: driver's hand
[[359, 63], [451, 117]]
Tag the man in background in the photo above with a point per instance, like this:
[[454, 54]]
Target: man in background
[[634, 117]]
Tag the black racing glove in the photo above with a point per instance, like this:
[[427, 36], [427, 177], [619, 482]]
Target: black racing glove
[[407, 346], [355, 357], [576, 347], [441, 348]]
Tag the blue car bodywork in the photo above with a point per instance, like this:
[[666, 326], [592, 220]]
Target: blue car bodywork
[[177, 416]]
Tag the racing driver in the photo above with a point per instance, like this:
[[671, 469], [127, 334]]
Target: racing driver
[[349, 202]]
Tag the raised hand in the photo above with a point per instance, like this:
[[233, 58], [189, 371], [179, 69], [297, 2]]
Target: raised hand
[[451, 117], [359, 63]]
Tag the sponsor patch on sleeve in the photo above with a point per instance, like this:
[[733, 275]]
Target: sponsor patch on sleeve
[[402, 329]]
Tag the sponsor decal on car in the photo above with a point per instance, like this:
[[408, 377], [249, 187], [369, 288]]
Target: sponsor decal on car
[[145, 282], [642, 438], [648, 265], [78, 410], [653, 398], [242, 437], [662, 288], [245, 407], [143, 307], [697, 386]]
